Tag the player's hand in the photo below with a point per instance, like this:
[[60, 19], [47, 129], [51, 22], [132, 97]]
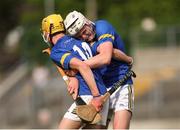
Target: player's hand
[[97, 102], [73, 87], [130, 63], [71, 73]]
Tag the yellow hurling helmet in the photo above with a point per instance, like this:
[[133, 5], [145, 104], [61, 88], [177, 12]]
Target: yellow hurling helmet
[[52, 24]]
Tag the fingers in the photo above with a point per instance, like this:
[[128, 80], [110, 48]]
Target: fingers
[[74, 96], [73, 87], [73, 92], [130, 61], [97, 103], [70, 90], [98, 107], [70, 72]]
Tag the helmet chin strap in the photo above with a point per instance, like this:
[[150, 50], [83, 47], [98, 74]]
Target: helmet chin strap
[[92, 30], [50, 35]]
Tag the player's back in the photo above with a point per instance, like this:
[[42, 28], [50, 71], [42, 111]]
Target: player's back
[[116, 69], [67, 48]]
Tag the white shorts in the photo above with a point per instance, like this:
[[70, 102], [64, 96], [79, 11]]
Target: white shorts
[[123, 98], [104, 112]]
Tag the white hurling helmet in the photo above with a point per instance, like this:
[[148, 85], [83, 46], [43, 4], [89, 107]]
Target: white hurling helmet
[[73, 22]]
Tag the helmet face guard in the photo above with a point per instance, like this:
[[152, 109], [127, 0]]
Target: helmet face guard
[[74, 22], [87, 33], [45, 36], [46, 39]]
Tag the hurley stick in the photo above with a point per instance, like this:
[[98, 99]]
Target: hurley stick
[[90, 115]]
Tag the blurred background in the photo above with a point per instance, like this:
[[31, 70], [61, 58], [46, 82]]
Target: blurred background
[[32, 93]]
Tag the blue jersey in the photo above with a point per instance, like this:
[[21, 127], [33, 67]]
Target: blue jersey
[[67, 48], [116, 69]]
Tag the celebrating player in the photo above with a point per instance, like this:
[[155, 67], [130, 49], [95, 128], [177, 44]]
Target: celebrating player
[[70, 53], [103, 38]]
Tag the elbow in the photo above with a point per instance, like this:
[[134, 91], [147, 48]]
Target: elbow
[[83, 66], [107, 61]]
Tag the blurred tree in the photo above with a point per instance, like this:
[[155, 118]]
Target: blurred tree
[[32, 43], [34, 12], [128, 14], [123, 14], [65, 6], [9, 15]]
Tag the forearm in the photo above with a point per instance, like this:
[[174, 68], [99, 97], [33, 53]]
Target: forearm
[[103, 57], [97, 61], [89, 78], [86, 73], [121, 56]]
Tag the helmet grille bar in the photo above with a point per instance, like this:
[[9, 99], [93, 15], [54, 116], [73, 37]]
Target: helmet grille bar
[[72, 23]]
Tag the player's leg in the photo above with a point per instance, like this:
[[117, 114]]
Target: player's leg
[[122, 102], [122, 119], [70, 119], [69, 124]]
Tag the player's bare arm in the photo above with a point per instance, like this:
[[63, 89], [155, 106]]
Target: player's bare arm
[[119, 55], [87, 74], [103, 57]]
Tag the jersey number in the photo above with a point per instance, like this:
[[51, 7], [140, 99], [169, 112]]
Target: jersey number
[[87, 49]]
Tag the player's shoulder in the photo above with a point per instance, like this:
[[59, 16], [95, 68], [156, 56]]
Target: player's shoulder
[[69, 39], [102, 23], [103, 26], [67, 42]]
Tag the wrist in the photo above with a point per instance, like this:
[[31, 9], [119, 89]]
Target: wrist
[[95, 96], [65, 78]]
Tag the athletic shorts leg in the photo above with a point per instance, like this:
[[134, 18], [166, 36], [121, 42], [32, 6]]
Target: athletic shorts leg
[[72, 116], [123, 98]]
